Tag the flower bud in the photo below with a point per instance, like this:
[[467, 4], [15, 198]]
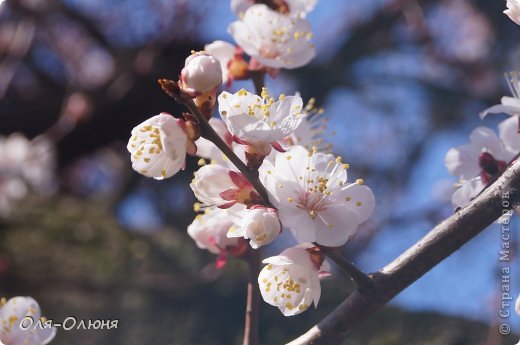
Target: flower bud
[[201, 73]]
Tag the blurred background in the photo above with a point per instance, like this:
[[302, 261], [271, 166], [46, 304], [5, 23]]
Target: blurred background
[[401, 82]]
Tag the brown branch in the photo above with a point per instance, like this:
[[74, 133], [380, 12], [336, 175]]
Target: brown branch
[[437, 245], [253, 299], [362, 280]]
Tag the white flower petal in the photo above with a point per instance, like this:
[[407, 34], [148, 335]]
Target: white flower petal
[[209, 182], [513, 10], [360, 200], [209, 230], [467, 191], [508, 133], [462, 161]]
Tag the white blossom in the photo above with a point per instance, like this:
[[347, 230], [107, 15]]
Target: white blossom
[[513, 10], [484, 157], [259, 120], [25, 165], [289, 7], [209, 230], [12, 316], [517, 305], [290, 281], [215, 185], [313, 199], [259, 224], [275, 40], [509, 105], [158, 146], [201, 73]]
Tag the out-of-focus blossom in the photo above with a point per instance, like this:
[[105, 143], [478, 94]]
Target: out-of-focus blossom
[[201, 73], [25, 165], [158, 146], [472, 40], [313, 198], [19, 319], [290, 281], [259, 120], [209, 231], [517, 305], [259, 224], [273, 39], [484, 157], [509, 105], [513, 10], [289, 7], [215, 185]]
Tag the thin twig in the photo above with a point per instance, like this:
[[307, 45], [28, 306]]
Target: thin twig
[[362, 280], [253, 299]]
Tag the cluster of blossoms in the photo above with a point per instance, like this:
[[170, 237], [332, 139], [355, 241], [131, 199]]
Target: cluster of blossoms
[[15, 326], [284, 179], [25, 165]]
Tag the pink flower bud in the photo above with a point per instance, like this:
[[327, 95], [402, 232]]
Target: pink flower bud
[[201, 73]]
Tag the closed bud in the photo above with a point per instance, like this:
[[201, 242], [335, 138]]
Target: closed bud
[[201, 73]]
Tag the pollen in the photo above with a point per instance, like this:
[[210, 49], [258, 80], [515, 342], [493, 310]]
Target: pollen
[[265, 93], [359, 203], [303, 306], [196, 207], [360, 181], [242, 92], [289, 199]]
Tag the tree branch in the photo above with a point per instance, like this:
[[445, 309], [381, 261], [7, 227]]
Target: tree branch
[[437, 245], [362, 280], [253, 299]]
